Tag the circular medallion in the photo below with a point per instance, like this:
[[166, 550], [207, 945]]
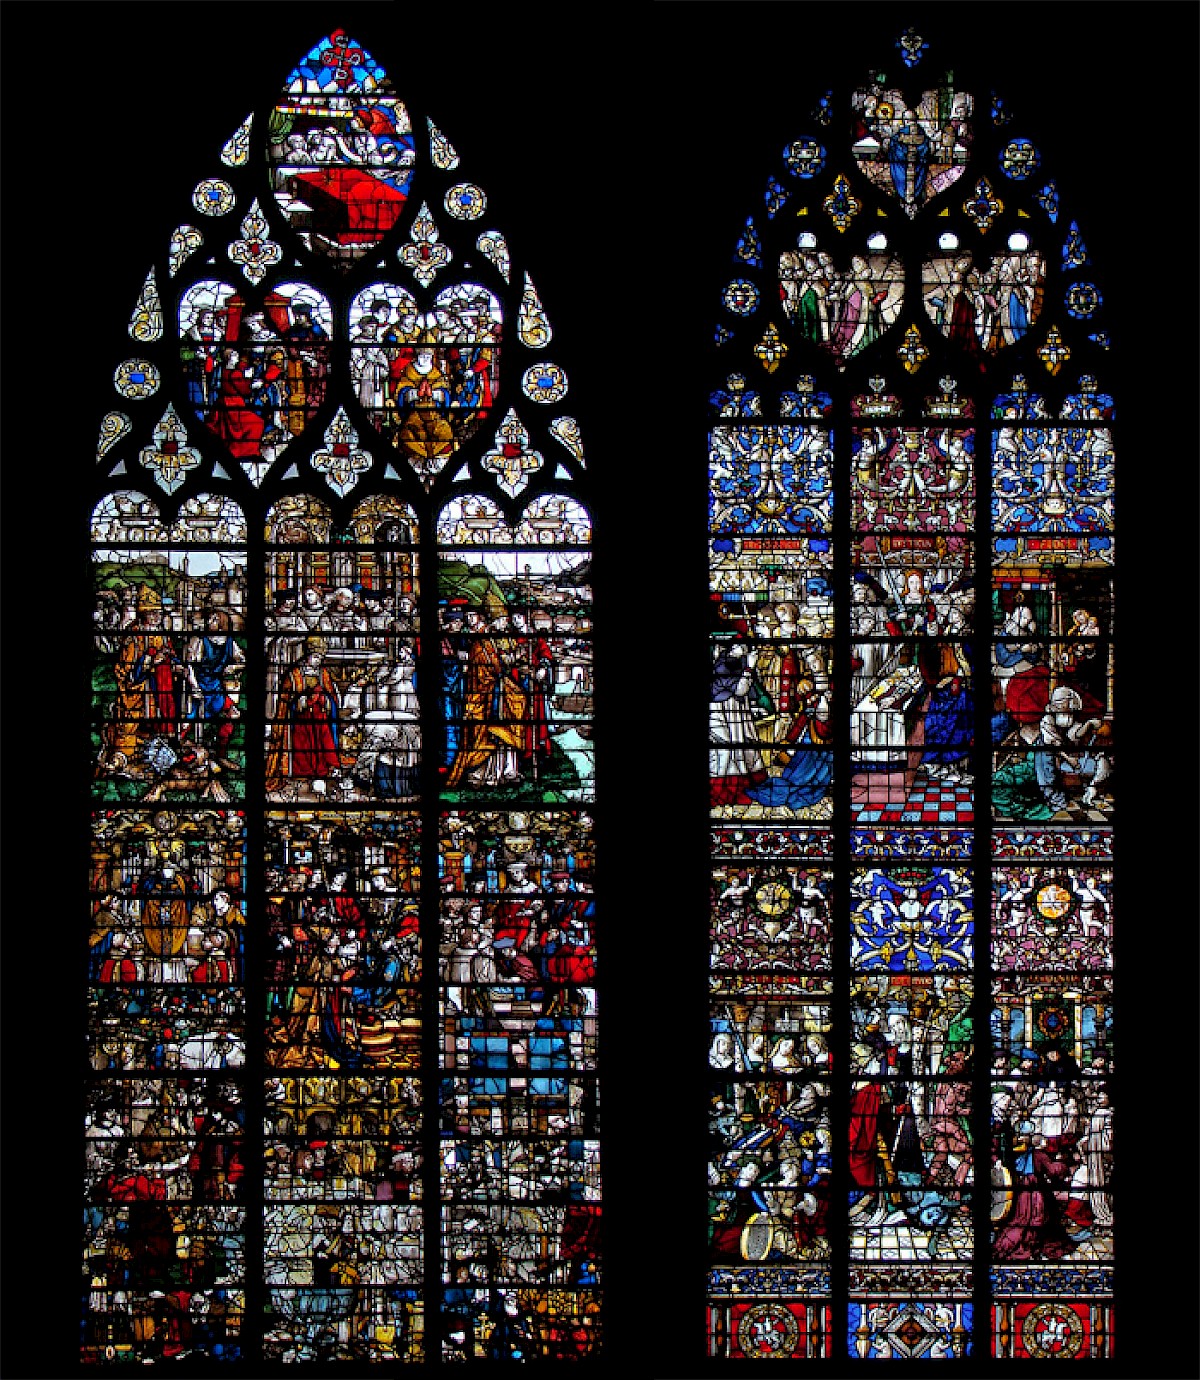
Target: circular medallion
[[213, 197], [1083, 300], [544, 383], [136, 378], [741, 297], [805, 158], [1052, 1329], [1053, 901], [768, 1329], [466, 201], [773, 897], [1053, 1022], [1020, 160]]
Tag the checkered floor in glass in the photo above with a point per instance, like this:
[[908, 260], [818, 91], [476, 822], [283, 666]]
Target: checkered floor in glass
[[928, 801]]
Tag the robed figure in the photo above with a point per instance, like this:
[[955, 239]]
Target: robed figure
[[304, 736]]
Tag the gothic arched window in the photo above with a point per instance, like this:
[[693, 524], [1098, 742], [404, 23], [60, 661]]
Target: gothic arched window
[[341, 1100], [912, 741]]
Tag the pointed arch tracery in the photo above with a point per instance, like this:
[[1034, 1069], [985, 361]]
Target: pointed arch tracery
[[911, 464], [343, 771]]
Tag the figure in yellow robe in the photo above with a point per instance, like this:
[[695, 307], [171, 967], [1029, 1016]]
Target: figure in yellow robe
[[494, 707]]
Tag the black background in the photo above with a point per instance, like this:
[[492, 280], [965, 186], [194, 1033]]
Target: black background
[[621, 149]]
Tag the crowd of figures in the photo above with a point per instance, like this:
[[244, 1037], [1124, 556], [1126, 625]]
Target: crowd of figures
[[340, 970], [169, 700], [1051, 723], [843, 311], [255, 376], [980, 309], [426, 380], [770, 1158], [341, 694], [1052, 1157]]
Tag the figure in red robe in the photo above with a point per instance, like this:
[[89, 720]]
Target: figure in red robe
[[304, 736]]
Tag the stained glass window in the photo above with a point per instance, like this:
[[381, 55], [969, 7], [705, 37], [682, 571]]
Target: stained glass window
[[912, 760], [342, 1100], [626, 180]]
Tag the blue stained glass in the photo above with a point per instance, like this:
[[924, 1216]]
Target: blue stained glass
[[1020, 160], [910, 1329], [804, 157], [776, 197], [1047, 199], [1020, 403], [1075, 253], [912, 47], [1083, 300], [808, 402], [740, 297], [1000, 111], [823, 112], [336, 63], [749, 250], [722, 334]]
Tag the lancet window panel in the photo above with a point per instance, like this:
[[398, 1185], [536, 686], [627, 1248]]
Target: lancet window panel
[[911, 463], [342, 1095]]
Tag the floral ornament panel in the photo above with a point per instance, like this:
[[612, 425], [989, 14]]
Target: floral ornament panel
[[136, 378], [512, 460], [775, 481], [1047, 199], [255, 369], [749, 247], [185, 240], [775, 197], [911, 479], [913, 152], [912, 352], [805, 158], [983, 205], [737, 399], [533, 325], [841, 204], [544, 383], [213, 197], [113, 426], [465, 201], [1083, 300], [427, 380], [805, 400], [170, 457], [912, 47], [424, 253], [981, 305], [341, 151], [740, 297], [911, 919], [441, 150], [565, 431], [494, 247], [1089, 404], [1055, 352], [146, 323], [771, 350], [235, 152], [1020, 160], [255, 252], [1075, 254], [1047, 480], [473, 520], [341, 460], [554, 520], [842, 311], [878, 402]]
